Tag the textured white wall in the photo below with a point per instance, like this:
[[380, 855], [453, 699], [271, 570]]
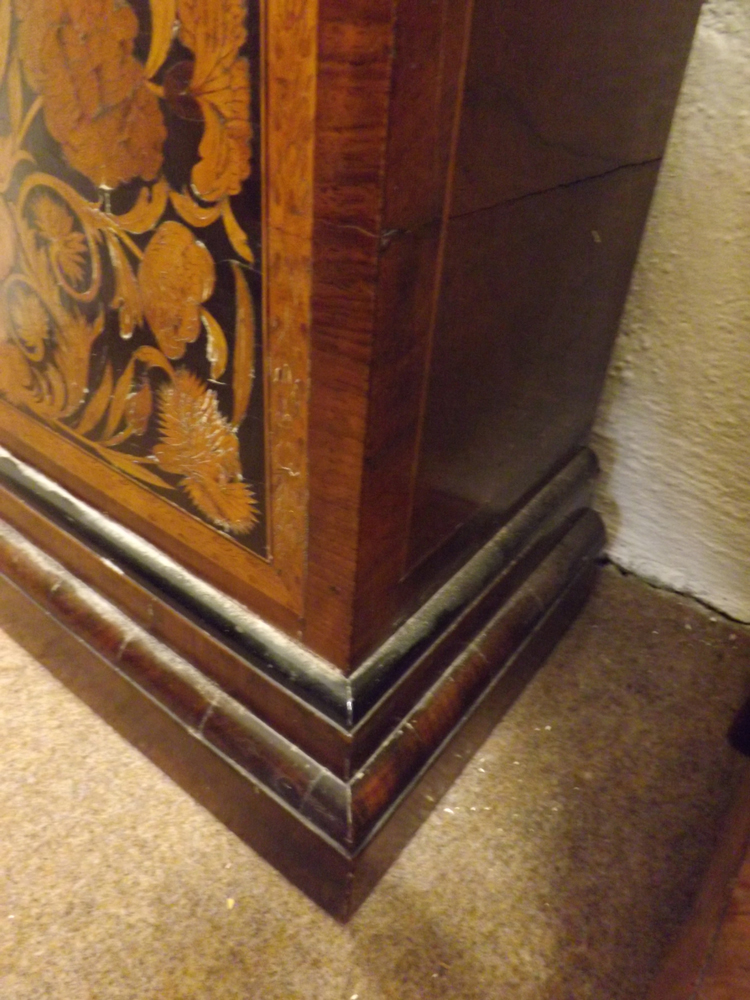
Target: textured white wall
[[673, 431]]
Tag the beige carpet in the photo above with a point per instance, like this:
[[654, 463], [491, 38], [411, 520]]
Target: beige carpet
[[559, 866]]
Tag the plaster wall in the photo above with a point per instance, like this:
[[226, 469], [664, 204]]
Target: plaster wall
[[673, 432]]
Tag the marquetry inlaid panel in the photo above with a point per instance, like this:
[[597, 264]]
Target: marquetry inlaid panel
[[139, 346]]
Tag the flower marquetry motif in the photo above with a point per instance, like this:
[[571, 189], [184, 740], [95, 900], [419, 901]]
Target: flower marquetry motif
[[78, 54], [220, 83], [106, 276]]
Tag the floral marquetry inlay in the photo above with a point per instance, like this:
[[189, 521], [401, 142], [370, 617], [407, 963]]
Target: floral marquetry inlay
[[131, 242]]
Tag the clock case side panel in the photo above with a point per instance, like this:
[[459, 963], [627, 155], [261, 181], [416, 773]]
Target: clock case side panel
[[495, 317], [386, 131], [565, 121]]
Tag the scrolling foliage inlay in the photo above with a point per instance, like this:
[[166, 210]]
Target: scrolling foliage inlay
[[130, 227]]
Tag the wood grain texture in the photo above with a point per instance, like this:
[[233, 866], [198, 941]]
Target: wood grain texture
[[193, 638], [430, 349], [338, 721], [426, 294], [389, 838], [390, 81], [386, 686], [213, 716], [553, 100], [425, 105], [355, 55], [187, 539], [315, 827], [392, 322], [144, 263], [411, 746], [314, 863], [290, 106]]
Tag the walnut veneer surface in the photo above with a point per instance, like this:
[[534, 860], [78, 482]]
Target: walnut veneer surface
[[305, 308], [314, 295]]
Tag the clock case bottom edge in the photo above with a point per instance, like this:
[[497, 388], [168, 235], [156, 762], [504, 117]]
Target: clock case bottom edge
[[331, 834]]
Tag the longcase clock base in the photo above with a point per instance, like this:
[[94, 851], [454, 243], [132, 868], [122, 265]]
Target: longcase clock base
[[332, 804]]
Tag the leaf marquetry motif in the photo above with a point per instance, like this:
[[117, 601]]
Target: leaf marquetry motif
[[147, 211], [107, 270], [220, 83], [244, 348], [126, 298], [163, 25], [217, 349], [193, 213], [199, 445], [97, 405], [235, 233]]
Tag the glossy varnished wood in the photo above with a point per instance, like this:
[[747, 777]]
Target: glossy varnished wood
[[332, 837], [312, 862], [522, 343], [424, 115], [389, 141], [355, 53], [564, 119], [172, 234], [444, 289], [445, 201], [290, 87], [390, 82], [340, 723], [195, 544], [290, 715]]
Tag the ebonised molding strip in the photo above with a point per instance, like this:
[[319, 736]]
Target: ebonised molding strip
[[346, 812], [266, 648]]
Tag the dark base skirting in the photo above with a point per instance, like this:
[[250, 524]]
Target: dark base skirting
[[331, 821]]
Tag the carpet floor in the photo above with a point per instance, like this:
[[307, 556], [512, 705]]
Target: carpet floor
[[560, 866]]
